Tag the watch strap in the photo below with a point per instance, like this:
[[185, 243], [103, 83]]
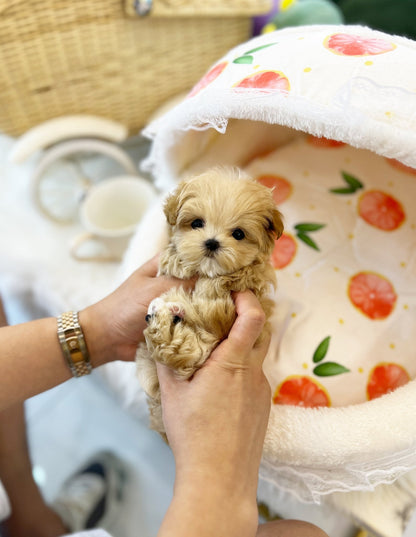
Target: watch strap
[[72, 341]]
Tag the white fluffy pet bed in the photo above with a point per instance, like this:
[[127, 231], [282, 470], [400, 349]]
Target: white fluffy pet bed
[[346, 301], [327, 115]]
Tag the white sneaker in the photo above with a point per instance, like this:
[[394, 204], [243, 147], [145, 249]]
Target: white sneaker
[[93, 496]]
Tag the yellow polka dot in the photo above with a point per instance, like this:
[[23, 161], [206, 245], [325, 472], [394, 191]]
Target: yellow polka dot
[[341, 321], [368, 62], [350, 235], [388, 114], [349, 202], [298, 274], [305, 365], [305, 173], [360, 370], [307, 70], [347, 160], [390, 183], [312, 207], [392, 346], [336, 269], [256, 66], [406, 307], [403, 264], [293, 314]]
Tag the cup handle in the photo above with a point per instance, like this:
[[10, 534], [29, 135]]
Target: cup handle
[[85, 237]]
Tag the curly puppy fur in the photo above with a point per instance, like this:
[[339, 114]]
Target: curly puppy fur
[[222, 229]]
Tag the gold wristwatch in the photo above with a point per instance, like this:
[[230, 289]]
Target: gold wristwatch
[[74, 348]]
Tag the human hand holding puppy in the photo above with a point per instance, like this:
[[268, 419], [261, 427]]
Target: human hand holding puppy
[[215, 424]]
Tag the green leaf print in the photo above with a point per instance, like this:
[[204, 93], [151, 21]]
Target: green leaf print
[[342, 190], [260, 48], [247, 57], [244, 59], [308, 227], [307, 240], [321, 350], [329, 369], [353, 183], [302, 230]]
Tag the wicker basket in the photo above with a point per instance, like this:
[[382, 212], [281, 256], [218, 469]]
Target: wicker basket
[[99, 57]]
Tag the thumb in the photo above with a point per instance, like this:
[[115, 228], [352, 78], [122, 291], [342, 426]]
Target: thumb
[[167, 379], [249, 323]]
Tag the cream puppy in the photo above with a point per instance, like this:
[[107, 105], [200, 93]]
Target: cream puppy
[[222, 229]]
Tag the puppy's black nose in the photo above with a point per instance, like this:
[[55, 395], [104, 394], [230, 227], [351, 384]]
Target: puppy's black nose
[[212, 245]]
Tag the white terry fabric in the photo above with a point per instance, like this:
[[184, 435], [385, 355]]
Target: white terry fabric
[[366, 100], [313, 299]]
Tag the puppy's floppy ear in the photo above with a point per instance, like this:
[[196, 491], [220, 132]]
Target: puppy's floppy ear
[[172, 205], [170, 208], [276, 223]]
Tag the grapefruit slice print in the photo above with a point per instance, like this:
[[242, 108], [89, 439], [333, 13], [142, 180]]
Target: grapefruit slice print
[[372, 294], [301, 391], [385, 378], [324, 142], [282, 187], [265, 80], [208, 78], [381, 210], [284, 251], [400, 166], [355, 45]]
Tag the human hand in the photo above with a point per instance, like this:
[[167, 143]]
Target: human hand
[[216, 422], [114, 326]]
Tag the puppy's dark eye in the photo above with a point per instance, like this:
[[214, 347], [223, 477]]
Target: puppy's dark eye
[[198, 222], [238, 234]]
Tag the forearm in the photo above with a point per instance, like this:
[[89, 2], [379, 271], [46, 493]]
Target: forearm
[[201, 510], [31, 358]]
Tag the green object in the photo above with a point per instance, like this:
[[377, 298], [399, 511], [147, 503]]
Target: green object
[[353, 184], [308, 12], [391, 16], [330, 369], [321, 350]]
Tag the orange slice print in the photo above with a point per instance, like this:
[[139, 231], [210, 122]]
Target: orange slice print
[[324, 142], [282, 187], [355, 45], [265, 80], [284, 251], [372, 294], [385, 378], [208, 78], [301, 391], [400, 166], [381, 210]]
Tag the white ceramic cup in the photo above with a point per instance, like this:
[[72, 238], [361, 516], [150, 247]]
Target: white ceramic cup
[[110, 214]]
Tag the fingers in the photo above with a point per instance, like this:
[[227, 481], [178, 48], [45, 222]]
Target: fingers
[[249, 323], [150, 268], [167, 379], [247, 342]]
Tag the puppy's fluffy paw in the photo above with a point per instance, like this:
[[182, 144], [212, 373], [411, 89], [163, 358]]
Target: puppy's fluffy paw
[[172, 337], [159, 308]]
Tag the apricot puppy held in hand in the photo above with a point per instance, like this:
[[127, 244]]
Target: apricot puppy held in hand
[[222, 229]]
